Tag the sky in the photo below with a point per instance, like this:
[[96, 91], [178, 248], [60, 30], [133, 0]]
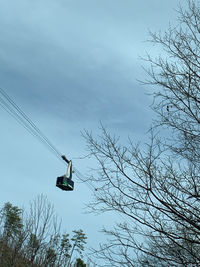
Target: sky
[[70, 65]]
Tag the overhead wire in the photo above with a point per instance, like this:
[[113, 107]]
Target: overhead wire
[[79, 176], [11, 112], [24, 124], [14, 110]]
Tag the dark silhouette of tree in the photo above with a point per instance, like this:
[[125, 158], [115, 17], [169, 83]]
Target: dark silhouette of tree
[[79, 240], [156, 186], [35, 239], [79, 263], [11, 234]]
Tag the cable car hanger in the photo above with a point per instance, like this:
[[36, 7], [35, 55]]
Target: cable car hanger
[[65, 182]]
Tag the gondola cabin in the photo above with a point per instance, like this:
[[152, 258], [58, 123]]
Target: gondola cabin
[[65, 182]]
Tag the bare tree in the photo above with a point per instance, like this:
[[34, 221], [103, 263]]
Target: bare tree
[[42, 225], [156, 186], [35, 238], [47, 246]]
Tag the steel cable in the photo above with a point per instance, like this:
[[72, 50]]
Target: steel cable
[[13, 109]]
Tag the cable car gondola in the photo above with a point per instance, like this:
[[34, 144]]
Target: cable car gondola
[[65, 182]]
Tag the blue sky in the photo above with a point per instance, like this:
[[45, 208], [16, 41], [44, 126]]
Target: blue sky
[[69, 65]]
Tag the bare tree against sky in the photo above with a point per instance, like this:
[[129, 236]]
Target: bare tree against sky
[[35, 238], [156, 186]]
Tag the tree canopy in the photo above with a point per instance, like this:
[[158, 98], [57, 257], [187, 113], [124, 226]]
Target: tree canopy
[[35, 238]]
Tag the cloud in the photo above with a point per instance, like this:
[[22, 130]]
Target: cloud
[[76, 60]]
